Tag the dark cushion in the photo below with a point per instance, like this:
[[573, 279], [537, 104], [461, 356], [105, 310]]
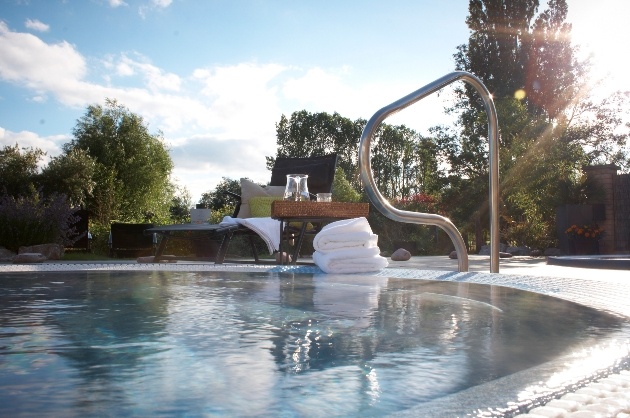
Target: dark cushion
[[319, 180]]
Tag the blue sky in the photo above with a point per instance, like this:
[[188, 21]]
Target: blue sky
[[216, 75]]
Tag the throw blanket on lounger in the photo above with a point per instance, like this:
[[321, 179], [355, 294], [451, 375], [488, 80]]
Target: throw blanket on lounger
[[354, 260], [268, 229]]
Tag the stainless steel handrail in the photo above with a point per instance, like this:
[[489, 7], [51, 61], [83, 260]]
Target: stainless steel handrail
[[365, 168]]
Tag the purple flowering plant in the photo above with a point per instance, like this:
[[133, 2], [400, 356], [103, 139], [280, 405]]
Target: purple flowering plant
[[32, 220]]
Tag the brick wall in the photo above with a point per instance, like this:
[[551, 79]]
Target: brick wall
[[613, 192]]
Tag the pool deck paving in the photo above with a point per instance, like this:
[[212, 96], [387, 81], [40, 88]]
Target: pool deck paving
[[605, 392]]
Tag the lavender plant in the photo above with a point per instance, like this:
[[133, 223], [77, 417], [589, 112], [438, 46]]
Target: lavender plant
[[32, 220]]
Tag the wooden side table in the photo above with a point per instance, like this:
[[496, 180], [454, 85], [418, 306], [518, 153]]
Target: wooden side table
[[312, 212]]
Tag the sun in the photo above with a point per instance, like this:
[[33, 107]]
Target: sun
[[601, 29]]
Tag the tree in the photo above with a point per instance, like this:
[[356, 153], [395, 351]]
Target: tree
[[217, 199], [180, 206], [547, 127], [132, 166], [19, 170], [307, 134], [71, 174], [403, 162]]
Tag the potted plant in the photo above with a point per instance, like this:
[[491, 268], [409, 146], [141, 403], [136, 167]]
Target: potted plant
[[584, 239]]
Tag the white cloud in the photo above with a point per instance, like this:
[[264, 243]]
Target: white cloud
[[116, 3], [153, 5], [162, 4], [51, 145], [244, 97], [27, 60], [222, 118], [36, 25], [124, 69], [155, 78]]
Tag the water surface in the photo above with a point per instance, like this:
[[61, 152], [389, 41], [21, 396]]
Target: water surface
[[266, 344]]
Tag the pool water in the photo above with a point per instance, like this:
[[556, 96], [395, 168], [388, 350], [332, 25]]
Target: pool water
[[153, 343]]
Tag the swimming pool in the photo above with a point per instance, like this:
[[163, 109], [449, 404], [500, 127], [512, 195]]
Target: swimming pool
[[218, 343]]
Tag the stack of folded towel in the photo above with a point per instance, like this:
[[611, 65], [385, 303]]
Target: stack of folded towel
[[348, 246]]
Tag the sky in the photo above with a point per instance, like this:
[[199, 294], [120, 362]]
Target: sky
[[215, 76]]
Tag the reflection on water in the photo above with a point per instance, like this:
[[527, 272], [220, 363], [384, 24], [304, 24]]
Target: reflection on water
[[266, 344]]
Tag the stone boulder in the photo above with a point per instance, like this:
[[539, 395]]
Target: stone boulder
[[453, 255], [27, 258], [50, 251], [521, 251], [485, 249], [6, 255], [401, 255], [504, 248]]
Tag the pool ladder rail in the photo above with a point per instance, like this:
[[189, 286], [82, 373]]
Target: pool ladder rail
[[383, 205]]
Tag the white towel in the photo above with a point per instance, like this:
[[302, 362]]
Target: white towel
[[228, 220], [268, 229], [330, 242], [347, 226], [347, 233], [354, 260]]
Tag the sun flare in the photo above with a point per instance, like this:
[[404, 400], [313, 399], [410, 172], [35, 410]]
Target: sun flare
[[601, 29]]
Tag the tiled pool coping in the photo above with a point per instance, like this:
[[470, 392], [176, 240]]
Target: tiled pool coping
[[610, 296]]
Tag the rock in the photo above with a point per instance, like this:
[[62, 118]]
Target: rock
[[518, 250], [512, 251], [535, 253], [401, 255], [286, 258], [553, 252], [50, 251], [453, 255], [25, 258], [484, 250], [6, 255]]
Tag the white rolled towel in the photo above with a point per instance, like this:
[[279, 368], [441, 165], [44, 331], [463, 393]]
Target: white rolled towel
[[347, 233], [347, 225], [353, 260], [333, 242]]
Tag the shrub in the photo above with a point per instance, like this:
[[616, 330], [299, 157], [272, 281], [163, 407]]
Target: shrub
[[32, 220], [423, 239]]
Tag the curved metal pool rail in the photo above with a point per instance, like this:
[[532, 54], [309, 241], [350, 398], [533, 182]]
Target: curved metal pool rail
[[365, 168]]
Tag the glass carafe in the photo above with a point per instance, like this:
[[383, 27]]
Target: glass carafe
[[297, 188]]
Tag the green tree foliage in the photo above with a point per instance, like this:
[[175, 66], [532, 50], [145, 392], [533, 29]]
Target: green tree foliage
[[402, 161], [307, 134], [342, 189], [19, 170], [71, 174], [132, 166], [548, 127], [218, 200], [181, 204]]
